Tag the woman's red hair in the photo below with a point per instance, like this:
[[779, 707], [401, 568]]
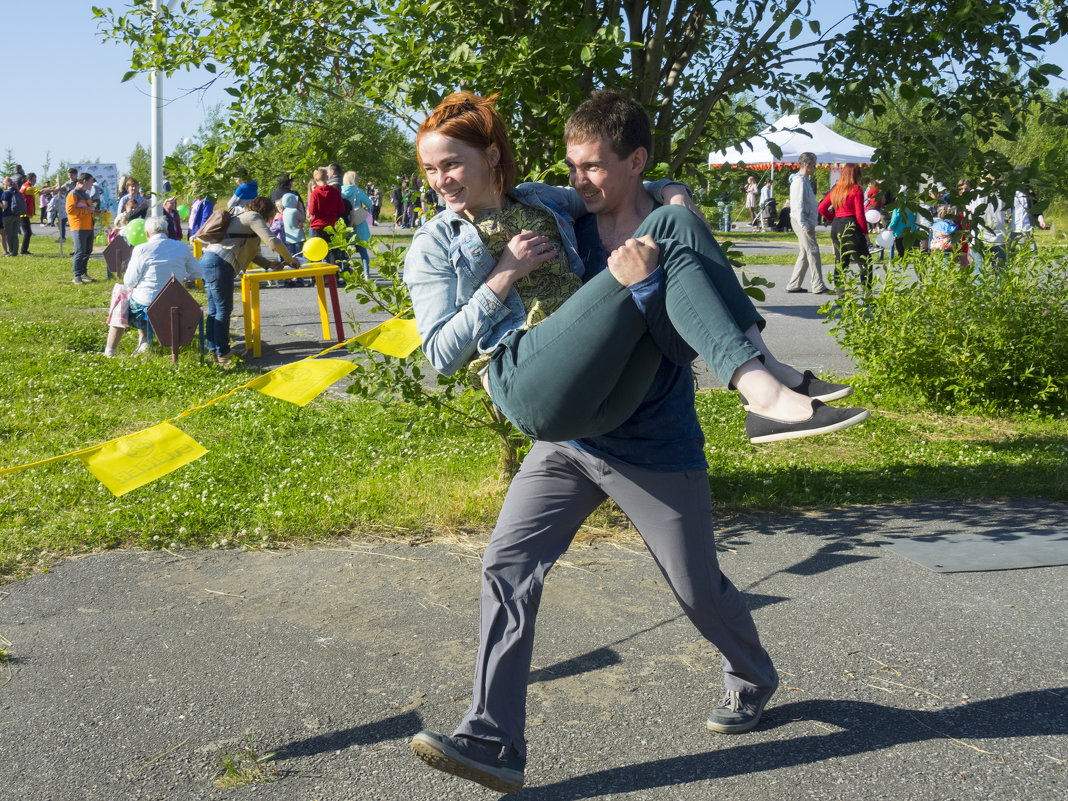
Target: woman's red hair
[[473, 120], [849, 178]]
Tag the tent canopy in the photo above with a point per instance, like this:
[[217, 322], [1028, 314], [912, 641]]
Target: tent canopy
[[830, 148]]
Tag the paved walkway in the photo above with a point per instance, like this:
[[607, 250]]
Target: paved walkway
[[131, 672]]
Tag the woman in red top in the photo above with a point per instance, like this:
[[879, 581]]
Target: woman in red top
[[325, 205], [849, 229], [325, 208]]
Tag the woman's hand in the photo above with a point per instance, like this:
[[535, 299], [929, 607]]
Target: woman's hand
[[523, 254], [634, 261]]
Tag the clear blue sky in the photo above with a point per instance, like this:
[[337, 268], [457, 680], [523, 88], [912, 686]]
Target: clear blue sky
[[71, 103]]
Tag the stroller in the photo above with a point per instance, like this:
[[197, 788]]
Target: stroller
[[769, 215]]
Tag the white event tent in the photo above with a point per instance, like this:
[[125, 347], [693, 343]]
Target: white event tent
[[832, 150]]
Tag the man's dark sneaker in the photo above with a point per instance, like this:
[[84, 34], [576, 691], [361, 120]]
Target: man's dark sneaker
[[824, 420], [795, 291], [821, 390], [740, 712], [475, 760]]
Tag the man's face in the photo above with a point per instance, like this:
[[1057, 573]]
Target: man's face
[[86, 185], [807, 169], [603, 179]]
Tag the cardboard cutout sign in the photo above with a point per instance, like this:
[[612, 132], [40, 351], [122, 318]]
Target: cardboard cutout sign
[[174, 316], [117, 255]]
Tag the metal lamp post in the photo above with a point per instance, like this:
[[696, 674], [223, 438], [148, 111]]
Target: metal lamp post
[[156, 81]]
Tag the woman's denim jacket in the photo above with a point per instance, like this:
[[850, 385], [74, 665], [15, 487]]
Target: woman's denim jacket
[[446, 268]]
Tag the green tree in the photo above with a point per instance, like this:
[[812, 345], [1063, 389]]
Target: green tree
[[688, 63], [312, 132], [141, 165], [9, 162]]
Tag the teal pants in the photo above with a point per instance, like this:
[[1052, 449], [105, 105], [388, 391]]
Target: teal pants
[[585, 370]]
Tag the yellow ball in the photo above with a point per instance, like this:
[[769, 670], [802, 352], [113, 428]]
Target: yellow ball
[[315, 249]]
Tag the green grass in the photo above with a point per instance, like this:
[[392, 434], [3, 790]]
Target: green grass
[[243, 767], [278, 474]]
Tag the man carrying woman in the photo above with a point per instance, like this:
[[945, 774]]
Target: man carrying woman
[[462, 268]]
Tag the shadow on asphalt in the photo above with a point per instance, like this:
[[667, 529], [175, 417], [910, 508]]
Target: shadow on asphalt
[[861, 727], [584, 663], [393, 728], [802, 312]]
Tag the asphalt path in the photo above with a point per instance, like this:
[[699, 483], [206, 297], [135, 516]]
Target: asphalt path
[[131, 673]]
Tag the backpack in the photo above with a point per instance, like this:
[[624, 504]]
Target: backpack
[[216, 228], [18, 203]]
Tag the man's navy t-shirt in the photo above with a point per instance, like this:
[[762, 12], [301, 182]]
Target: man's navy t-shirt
[[663, 433]]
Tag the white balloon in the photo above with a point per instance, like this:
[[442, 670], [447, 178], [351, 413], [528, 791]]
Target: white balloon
[[187, 141], [885, 239]]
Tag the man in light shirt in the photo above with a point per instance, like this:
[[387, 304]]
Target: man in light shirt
[[1022, 226], [151, 267], [803, 217], [991, 219]]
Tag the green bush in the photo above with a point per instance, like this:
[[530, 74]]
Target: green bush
[[963, 338]]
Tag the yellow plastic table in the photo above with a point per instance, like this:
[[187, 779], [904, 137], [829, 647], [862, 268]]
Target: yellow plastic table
[[325, 276]]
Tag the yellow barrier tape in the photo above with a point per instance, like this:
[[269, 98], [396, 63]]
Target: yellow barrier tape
[[297, 380], [301, 381], [138, 459], [395, 337]]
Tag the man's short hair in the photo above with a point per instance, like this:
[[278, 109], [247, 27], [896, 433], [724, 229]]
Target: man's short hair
[[72, 171], [155, 225], [615, 116], [85, 177], [334, 167], [806, 159]]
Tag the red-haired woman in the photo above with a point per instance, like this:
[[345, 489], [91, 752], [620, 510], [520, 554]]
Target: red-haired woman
[[496, 285], [843, 208]]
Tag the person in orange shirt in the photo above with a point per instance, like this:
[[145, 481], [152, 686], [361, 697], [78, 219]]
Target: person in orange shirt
[[80, 219]]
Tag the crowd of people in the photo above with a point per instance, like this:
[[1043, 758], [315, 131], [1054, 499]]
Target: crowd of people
[[282, 222], [856, 210]]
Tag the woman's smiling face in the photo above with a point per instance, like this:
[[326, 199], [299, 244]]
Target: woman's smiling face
[[462, 175]]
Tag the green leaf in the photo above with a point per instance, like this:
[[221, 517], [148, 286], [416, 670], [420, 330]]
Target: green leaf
[[795, 28], [809, 114], [128, 76]]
